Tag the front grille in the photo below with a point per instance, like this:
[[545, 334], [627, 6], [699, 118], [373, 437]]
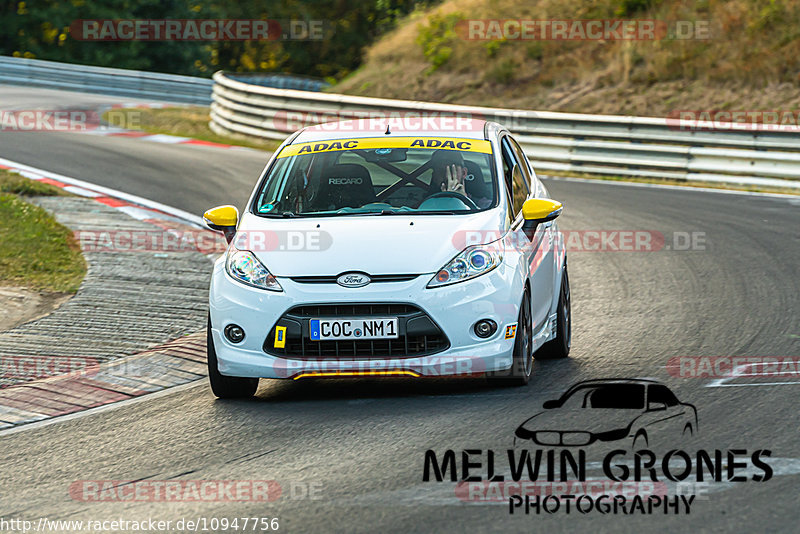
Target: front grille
[[355, 309], [374, 278], [418, 334], [569, 438]]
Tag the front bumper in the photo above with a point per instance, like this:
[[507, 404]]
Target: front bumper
[[454, 309]]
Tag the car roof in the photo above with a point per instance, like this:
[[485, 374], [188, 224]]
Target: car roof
[[445, 126]]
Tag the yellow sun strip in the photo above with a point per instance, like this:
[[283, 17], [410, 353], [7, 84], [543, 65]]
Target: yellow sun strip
[[446, 143], [396, 372]]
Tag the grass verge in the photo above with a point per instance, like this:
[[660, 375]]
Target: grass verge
[[35, 250], [184, 121]]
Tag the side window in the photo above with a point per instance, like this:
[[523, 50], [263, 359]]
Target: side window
[[532, 181], [517, 181], [526, 170], [662, 394], [508, 163]]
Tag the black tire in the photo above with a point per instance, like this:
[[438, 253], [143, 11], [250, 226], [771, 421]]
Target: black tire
[[522, 366], [226, 387], [559, 346]]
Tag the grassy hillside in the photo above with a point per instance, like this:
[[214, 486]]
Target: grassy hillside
[[751, 62]]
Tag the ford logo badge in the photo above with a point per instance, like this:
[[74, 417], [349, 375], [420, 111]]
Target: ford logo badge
[[353, 280]]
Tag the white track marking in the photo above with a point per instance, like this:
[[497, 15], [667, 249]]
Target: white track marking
[[740, 372], [34, 173], [75, 190]]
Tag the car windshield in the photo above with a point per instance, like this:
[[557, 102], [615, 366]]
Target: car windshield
[[616, 396], [380, 176]]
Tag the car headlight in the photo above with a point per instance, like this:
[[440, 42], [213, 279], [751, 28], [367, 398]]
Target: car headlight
[[471, 262], [245, 267]]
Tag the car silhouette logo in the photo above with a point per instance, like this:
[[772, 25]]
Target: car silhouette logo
[[609, 410], [353, 280]]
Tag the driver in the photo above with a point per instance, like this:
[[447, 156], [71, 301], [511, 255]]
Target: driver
[[449, 172]]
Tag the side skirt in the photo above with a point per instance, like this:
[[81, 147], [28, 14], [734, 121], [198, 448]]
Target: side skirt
[[546, 332]]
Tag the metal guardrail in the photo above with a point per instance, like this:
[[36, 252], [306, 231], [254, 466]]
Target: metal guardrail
[[597, 144], [103, 80], [281, 81], [133, 83]]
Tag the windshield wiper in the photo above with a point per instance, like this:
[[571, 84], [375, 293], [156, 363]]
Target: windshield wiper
[[292, 215], [432, 212], [416, 212], [409, 212]]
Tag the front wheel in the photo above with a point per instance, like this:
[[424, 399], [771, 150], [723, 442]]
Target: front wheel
[[522, 365], [226, 387], [559, 346]]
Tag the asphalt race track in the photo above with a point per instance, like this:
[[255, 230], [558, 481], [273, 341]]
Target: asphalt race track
[[358, 446]]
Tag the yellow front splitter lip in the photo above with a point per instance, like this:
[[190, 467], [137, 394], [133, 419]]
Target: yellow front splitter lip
[[345, 374]]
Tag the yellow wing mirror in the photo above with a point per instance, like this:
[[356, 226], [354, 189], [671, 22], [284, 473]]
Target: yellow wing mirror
[[223, 219], [539, 210]]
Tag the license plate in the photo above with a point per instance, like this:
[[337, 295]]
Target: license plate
[[353, 328]]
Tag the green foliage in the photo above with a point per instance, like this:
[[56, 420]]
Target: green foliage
[[631, 7], [504, 71], [491, 48], [436, 39], [772, 12], [535, 50], [19, 185], [41, 29]]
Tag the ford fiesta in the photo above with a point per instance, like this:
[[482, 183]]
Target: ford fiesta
[[389, 253]]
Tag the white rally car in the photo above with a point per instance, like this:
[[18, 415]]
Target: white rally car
[[389, 253]]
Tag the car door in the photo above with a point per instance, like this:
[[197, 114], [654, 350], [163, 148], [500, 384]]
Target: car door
[[538, 253], [667, 415]]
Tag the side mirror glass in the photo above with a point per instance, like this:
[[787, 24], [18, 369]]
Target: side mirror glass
[[549, 405]]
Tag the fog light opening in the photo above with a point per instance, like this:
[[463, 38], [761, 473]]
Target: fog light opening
[[485, 328], [234, 333]]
